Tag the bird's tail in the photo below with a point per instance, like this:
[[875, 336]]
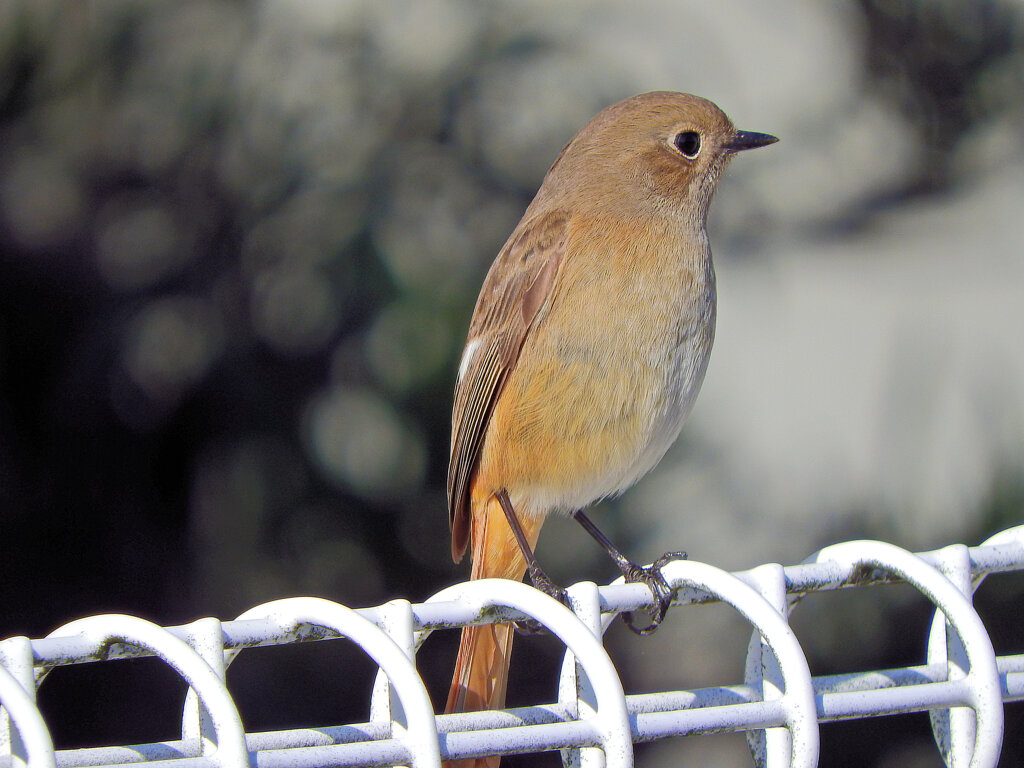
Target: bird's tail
[[481, 671]]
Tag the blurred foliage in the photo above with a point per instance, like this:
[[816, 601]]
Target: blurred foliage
[[951, 68], [239, 246]]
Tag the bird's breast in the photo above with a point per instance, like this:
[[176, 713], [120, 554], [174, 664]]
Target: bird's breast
[[606, 379]]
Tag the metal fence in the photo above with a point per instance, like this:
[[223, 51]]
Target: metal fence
[[962, 684]]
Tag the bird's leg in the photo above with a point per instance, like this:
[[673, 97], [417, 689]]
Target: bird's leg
[[651, 575], [538, 578]]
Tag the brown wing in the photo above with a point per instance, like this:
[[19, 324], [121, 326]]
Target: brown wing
[[513, 293]]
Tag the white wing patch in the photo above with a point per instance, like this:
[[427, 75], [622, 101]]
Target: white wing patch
[[467, 356]]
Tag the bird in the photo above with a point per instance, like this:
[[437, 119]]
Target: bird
[[586, 350]]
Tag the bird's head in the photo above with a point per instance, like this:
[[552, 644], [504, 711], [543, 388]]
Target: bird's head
[[661, 149]]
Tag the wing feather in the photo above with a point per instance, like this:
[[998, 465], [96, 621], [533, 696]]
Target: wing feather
[[515, 290]]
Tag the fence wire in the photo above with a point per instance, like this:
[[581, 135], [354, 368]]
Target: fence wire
[[779, 705]]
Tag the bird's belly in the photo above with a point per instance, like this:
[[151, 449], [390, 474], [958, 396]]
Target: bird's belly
[[687, 365], [587, 415]]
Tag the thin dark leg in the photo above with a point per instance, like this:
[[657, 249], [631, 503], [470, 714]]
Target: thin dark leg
[[538, 578], [623, 562], [651, 575]]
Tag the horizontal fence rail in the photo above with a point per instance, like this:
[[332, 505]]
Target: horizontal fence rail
[[962, 684]]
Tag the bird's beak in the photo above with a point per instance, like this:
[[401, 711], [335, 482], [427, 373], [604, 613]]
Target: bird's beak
[[749, 140]]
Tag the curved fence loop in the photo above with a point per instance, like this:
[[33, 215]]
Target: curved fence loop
[[793, 704], [974, 678], [102, 632], [420, 736], [610, 720]]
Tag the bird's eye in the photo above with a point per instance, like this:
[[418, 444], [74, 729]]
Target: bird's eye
[[688, 142]]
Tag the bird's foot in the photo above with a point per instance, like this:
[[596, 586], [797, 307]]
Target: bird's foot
[[540, 581], [663, 593]]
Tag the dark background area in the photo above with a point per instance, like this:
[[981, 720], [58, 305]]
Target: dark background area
[[239, 247]]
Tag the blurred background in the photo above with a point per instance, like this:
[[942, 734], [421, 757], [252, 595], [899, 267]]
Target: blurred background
[[240, 244]]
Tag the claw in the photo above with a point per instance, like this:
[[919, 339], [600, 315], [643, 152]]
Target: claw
[[663, 593], [540, 581]]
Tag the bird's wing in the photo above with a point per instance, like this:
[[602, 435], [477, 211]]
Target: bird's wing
[[515, 289]]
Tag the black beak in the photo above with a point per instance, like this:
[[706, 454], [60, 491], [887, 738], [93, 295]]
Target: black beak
[[749, 140]]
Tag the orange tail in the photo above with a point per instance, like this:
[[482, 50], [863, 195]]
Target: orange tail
[[481, 671]]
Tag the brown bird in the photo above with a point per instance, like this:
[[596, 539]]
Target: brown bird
[[586, 350]]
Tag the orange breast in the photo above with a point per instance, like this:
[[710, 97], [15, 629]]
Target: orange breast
[[603, 369]]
